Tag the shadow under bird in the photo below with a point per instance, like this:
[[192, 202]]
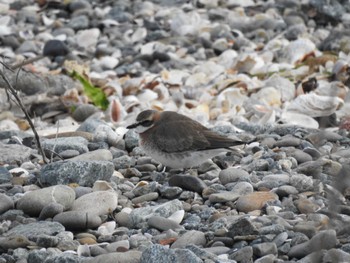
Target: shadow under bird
[[177, 141]]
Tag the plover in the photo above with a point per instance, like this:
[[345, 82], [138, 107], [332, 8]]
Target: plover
[[177, 141]]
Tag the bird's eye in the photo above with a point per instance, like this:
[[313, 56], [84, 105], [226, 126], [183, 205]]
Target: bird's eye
[[147, 123]]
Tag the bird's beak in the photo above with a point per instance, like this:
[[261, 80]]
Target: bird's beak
[[133, 126]]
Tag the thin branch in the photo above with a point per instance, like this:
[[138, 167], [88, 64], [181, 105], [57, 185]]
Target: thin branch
[[26, 62], [13, 92]]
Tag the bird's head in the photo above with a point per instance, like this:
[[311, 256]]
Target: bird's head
[[145, 120]]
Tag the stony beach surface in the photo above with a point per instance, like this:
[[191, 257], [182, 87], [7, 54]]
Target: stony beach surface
[[273, 74]]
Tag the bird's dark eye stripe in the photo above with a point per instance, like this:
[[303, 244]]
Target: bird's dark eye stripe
[[146, 123]]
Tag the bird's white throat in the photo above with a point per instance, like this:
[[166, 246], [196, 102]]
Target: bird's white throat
[[142, 129]]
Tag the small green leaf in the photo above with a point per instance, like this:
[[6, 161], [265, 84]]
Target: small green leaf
[[96, 95]]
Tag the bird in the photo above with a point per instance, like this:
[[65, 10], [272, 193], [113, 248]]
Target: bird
[[177, 141]]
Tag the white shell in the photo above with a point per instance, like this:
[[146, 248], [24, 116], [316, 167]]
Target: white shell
[[177, 216], [297, 50], [314, 105], [299, 119], [284, 85]]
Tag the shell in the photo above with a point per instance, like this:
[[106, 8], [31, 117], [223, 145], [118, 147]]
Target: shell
[[298, 50], [335, 88], [294, 118], [284, 85], [314, 105]]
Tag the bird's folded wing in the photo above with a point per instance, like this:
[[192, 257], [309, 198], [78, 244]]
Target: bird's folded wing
[[179, 136]]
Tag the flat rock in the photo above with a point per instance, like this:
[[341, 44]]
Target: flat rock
[[145, 198], [14, 153], [32, 230], [162, 223], [97, 155], [61, 144], [193, 237], [98, 203], [230, 175], [33, 202], [84, 173], [254, 201]]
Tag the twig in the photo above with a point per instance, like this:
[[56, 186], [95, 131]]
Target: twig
[[26, 62], [13, 92]]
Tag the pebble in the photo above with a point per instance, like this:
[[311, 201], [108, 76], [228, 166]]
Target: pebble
[[162, 223], [84, 173], [32, 203], [97, 203], [145, 198], [140, 215], [230, 175], [223, 197], [59, 145], [191, 237], [14, 153], [264, 249], [323, 240], [254, 201], [158, 253], [6, 203], [187, 182]]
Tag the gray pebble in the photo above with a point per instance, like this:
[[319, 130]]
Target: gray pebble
[[158, 253], [142, 214], [123, 162], [244, 254], [187, 182], [47, 241], [242, 227], [145, 198], [230, 175], [223, 197], [84, 173], [191, 237], [97, 203], [83, 111], [97, 155], [32, 230], [32, 203], [301, 182], [77, 220], [263, 249], [6, 203], [162, 223], [61, 144], [5, 176], [14, 153], [170, 192], [323, 240], [50, 210]]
